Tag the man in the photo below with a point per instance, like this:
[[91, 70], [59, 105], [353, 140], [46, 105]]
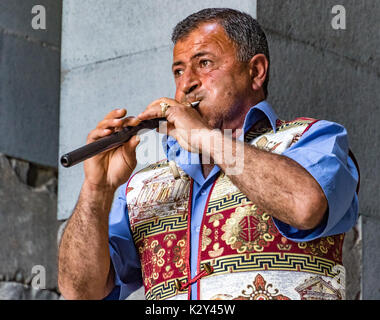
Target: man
[[271, 229]]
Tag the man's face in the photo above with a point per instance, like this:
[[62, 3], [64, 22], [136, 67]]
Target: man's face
[[206, 68]]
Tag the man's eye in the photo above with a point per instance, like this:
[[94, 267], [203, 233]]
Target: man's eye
[[205, 63], [178, 72]]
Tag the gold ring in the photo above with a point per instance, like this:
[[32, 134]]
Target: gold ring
[[164, 107]]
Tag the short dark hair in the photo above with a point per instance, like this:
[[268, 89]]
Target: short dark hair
[[240, 27]]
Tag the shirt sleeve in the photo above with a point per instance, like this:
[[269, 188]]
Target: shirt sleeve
[[323, 152], [124, 257]]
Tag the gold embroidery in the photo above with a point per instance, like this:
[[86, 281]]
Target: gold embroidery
[[152, 260], [205, 239], [169, 239], [179, 253], [248, 230], [318, 247], [284, 245], [216, 252], [258, 290], [215, 219], [168, 272]]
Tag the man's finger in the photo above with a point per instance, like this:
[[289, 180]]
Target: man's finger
[[97, 134], [154, 110], [130, 121], [110, 123], [130, 147], [151, 113], [116, 113]]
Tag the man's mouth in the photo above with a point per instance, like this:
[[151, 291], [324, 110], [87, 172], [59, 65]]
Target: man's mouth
[[195, 101], [195, 104], [193, 98]]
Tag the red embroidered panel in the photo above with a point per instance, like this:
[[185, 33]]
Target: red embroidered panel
[[247, 229], [163, 257]]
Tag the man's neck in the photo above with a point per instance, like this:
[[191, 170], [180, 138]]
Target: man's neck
[[236, 124], [206, 169]]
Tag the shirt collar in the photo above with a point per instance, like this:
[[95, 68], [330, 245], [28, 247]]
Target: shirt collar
[[190, 162], [257, 113]]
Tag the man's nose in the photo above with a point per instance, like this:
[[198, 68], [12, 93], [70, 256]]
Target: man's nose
[[190, 82]]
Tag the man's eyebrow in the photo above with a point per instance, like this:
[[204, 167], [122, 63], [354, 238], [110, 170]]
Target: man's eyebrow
[[195, 56]]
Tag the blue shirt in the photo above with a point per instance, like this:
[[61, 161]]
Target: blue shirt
[[322, 151]]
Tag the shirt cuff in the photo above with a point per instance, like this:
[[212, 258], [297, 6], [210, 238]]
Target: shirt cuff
[[331, 174], [125, 288]]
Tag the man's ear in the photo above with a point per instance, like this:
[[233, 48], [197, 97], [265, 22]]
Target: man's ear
[[258, 70]]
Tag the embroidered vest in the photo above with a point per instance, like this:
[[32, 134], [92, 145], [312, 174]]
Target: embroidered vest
[[244, 255]]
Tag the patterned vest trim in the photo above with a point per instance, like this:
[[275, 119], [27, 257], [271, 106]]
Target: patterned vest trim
[[158, 208], [249, 256]]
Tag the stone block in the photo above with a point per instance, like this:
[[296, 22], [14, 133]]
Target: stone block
[[310, 23], [28, 228], [96, 30], [18, 291], [352, 261], [16, 18], [371, 259], [29, 99]]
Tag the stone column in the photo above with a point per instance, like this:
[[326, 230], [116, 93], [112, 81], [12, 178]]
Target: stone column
[[334, 74], [29, 125]]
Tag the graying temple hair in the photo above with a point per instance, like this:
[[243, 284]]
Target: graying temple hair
[[241, 28]]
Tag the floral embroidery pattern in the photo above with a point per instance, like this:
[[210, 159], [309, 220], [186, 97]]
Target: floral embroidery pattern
[[318, 247], [284, 245], [249, 229], [217, 251], [151, 254], [179, 255], [205, 239], [261, 291]]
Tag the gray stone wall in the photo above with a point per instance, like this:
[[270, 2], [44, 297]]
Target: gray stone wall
[[29, 125], [28, 229], [323, 73], [29, 81]]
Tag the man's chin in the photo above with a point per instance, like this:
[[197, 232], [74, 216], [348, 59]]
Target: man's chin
[[214, 123]]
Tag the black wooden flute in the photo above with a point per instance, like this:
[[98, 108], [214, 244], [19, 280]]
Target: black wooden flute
[[112, 141]]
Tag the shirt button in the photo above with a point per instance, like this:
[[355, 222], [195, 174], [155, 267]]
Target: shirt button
[[197, 229], [203, 193]]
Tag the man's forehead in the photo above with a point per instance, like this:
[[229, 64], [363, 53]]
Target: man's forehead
[[207, 36]]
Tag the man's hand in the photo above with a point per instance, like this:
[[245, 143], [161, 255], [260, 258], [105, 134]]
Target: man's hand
[[184, 123], [110, 169], [85, 271]]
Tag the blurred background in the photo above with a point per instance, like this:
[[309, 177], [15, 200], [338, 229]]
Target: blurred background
[[65, 64]]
